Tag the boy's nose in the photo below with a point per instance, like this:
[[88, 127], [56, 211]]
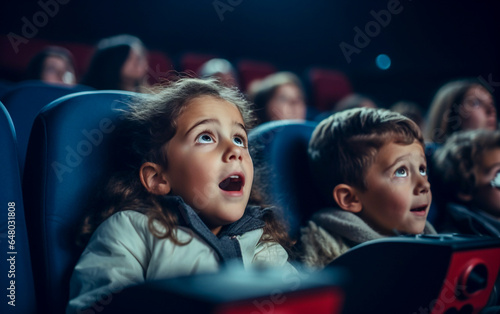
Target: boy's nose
[[423, 186]]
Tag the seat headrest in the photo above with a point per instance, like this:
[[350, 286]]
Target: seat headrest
[[279, 152], [69, 153]]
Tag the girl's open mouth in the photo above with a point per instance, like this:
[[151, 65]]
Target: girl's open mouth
[[234, 182]]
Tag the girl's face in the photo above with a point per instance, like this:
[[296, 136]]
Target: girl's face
[[136, 65], [209, 165], [287, 103], [478, 110]]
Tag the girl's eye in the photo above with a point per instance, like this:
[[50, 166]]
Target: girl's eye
[[401, 172], [204, 139], [239, 141], [423, 171]]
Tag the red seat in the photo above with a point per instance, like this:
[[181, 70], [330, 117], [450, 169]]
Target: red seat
[[328, 87], [159, 66], [251, 70], [15, 58], [193, 61], [82, 54]]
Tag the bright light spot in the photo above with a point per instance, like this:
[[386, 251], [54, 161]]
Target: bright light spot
[[383, 61]]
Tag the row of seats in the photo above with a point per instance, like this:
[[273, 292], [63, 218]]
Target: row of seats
[[70, 152], [326, 86]]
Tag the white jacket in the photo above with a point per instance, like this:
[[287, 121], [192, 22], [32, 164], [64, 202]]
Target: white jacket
[[123, 252]]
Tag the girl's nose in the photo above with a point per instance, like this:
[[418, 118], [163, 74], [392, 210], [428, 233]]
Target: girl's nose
[[232, 152]]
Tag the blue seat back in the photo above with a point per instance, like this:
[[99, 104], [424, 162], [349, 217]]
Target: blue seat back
[[25, 100], [279, 152], [68, 155], [16, 279]]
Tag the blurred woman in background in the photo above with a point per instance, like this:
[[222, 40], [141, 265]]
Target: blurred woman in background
[[119, 63], [460, 105], [52, 65]]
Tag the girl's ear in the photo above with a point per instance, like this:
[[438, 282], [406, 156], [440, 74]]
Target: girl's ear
[[154, 179], [346, 198]]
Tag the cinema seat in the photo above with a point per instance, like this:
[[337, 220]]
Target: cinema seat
[[16, 279], [191, 62], [279, 152], [251, 70], [25, 100], [235, 291], [68, 155], [422, 274], [327, 87], [160, 66]]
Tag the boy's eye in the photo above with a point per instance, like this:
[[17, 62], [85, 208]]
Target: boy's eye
[[239, 141], [423, 171], [205, 139], [401, 172]]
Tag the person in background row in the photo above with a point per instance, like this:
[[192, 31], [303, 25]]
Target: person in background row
[[52, 65], [468, 167], [279, 96], [350, 101], [221, 69], [119, 63], [354, 101], [460, 105], [410, 110]]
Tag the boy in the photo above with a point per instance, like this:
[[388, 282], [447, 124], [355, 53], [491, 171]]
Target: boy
[[469, 166], [371, 163]]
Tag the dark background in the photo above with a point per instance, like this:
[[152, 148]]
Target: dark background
[[429, 42]]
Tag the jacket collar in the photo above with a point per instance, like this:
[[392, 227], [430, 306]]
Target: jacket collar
[[225, 244]]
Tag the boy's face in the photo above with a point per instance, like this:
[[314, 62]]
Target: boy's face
[[485, 196], [398, 193], [209, 165]]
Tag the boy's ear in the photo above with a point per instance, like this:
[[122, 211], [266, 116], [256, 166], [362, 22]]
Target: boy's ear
[[346, 198], [464, 197], [154, 179]]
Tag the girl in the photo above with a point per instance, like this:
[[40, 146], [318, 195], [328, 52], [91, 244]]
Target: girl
[[181, 207], [279, 96], [119, 63], [460, 105]]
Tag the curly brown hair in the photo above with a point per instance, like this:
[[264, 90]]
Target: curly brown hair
[[455, 162], [146, 125]]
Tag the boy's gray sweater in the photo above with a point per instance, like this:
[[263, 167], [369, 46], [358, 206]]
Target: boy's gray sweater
[[331, 232]]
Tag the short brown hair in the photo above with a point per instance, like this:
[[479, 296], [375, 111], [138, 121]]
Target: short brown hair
[[344, 145], [456, 159]]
